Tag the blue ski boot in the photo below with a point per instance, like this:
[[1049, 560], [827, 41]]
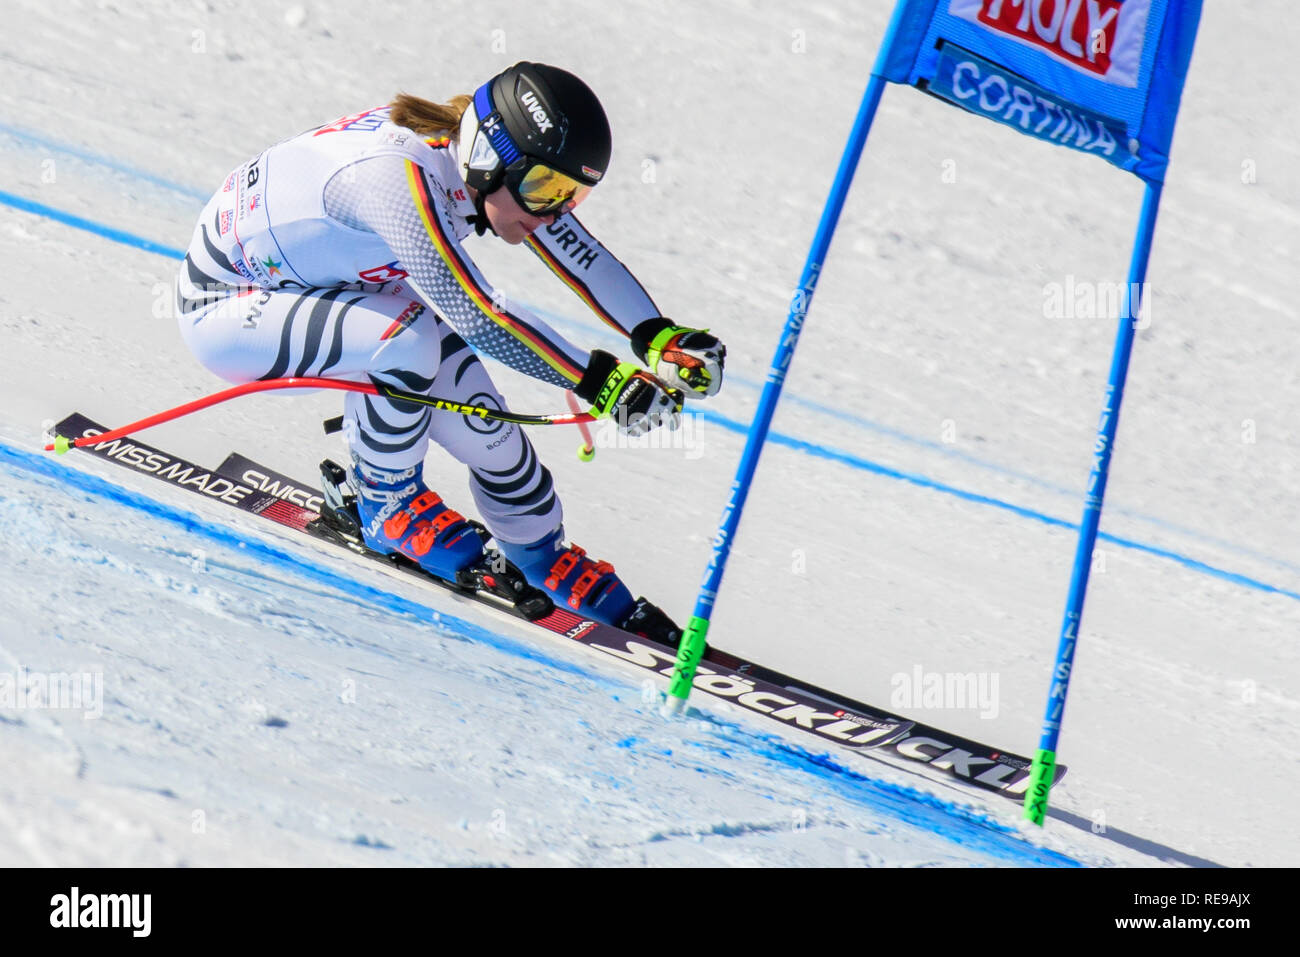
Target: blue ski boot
[[588, 587], [400, 514], [574, 581]]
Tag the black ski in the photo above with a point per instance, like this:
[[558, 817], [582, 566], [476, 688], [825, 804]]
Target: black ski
[[825, 715]]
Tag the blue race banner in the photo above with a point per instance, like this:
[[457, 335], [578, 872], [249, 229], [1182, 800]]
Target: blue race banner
[[975, 84], [1101, 76]]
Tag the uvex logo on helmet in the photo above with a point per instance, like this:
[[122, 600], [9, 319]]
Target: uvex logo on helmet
[[536, 111]]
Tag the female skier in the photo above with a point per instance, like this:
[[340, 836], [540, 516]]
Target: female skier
[[338, 253]]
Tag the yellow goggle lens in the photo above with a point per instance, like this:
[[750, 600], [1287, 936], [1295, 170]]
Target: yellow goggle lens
[[544, 190]]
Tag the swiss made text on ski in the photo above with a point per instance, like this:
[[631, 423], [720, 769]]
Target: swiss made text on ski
[[827, 716]]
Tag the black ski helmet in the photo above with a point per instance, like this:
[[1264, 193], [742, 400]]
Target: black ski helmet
[[533, 114]]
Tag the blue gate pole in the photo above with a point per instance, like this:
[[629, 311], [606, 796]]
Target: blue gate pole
[[693, 640], [1044, 768]]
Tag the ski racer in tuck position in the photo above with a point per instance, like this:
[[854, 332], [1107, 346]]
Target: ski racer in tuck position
[[337, 253]]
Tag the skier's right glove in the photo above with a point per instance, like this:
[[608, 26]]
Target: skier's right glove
[[687, 358], [632, 397]]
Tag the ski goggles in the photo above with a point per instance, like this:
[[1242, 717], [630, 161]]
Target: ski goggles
[[543, 191], [539, 189]]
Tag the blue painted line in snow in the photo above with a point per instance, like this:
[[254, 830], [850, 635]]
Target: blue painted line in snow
[[776, 438], [42, 465], [89, 225], [37, 141], [866, 465], [955, 822], [611, 340], [922, 809]]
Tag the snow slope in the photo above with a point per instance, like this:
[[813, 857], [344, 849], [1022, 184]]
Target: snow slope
[[305, 717], [932, 447]]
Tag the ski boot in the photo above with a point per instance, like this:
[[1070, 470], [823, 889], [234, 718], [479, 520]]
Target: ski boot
[[433, 538], [399, 514], [588, 587]]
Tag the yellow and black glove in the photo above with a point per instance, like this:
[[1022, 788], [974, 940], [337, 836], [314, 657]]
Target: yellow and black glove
[[689, 359], [632, 397]]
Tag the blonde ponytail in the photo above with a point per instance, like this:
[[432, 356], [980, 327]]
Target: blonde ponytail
[[425, 116]]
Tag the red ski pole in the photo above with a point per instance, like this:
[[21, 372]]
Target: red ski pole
[[586, 451]]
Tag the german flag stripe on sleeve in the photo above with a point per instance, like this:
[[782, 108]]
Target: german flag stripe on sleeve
[[448, 250], [571, 280]]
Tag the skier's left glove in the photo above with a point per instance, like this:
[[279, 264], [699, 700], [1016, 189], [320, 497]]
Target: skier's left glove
[[689, 359]]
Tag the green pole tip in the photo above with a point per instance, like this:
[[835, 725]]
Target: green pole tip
[[688, 656], [1041, 776], [62, 444], [586, 452]]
